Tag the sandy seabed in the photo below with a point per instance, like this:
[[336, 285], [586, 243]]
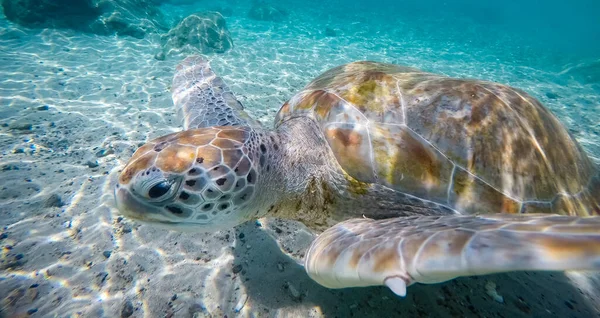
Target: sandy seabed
[[73, 109]]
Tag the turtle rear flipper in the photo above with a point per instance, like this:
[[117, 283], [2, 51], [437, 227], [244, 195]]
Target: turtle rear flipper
[[431, 249], [202, 98]]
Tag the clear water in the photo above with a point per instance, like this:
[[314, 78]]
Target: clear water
[[74, 106]]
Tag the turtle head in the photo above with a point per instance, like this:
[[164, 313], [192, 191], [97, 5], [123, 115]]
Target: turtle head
[[198, 179]]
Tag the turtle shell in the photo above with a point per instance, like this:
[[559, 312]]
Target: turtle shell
[[474, 146]]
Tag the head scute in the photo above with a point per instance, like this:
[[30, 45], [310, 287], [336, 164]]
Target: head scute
[[198, 176]]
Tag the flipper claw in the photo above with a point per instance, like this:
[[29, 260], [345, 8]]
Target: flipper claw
[[397, 285]]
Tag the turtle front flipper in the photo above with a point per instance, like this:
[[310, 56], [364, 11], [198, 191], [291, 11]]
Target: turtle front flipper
[[202, 98], [431, 249]]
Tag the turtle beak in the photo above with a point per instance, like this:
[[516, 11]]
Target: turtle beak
[[132, 208]]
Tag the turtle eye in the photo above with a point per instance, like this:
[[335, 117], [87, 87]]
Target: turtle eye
[[159, 189]]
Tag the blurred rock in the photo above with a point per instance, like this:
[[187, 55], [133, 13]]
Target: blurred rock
[[105, 17], [330, 32], [262, 11], [237, 268], [20, 125], [202, 32], [296, 295], [586, 73], [225, 11], [104, 152], [92, 163], [51, 13], [54, 201], [127, 309], [160, 56], [177, 2]]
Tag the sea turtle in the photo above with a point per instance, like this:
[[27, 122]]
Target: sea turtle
[[416, 177]]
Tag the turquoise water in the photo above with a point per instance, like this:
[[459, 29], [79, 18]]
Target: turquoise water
[[75, 104]]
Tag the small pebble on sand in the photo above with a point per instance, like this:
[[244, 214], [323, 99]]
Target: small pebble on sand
[[92, 163], [237, 268], [20, 125], [127, 310], [294, 292], [54, 201]]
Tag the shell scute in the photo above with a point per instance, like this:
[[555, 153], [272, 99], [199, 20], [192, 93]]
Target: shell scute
[[196, 139], [142, 162], [352, 148], [208, 156], [176, 158], [404, 160], [232, 157], [472, 145], [536, 207], [233, 133], [474, 196]]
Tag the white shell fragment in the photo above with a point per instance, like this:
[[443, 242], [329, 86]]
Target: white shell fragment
[[490, 288], [241, 303]]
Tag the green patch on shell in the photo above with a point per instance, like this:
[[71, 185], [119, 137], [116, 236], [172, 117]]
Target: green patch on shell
[[356, 187]]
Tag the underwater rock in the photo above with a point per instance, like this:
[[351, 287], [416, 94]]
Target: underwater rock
[[586, 73], [296, 295], [20, 125], [203, 32], [225, 11], [330, 32], [126, 228], [54, 201], [237, 268], [104, 17], [160, 56], [127, 310], [32, 293], [92, 163], [264, 12], [490, 288], [51, 13], [104, 152], [175, 2]]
